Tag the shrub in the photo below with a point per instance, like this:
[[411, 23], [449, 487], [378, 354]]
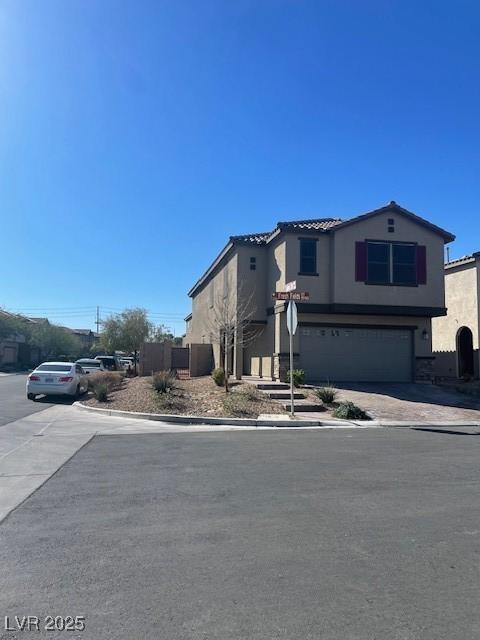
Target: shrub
[[236, 404], [298, 377], [327, 394], [350, 411], [163, 381], [169, 402], [113, 379], [100, 391], [249, 393], [218, 376]]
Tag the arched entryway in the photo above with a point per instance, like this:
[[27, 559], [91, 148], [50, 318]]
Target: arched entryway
[[465, 352]]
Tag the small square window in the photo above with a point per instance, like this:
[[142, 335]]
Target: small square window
[[391, 222], [253, 263], [391, 229]]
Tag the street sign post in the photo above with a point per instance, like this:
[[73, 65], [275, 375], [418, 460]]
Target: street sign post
[[292, 323], [298, 296], [291, 294]]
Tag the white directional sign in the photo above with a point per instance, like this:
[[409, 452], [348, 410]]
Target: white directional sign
[[292, 319], [291, 286]]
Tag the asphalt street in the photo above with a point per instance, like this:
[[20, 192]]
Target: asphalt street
[[13, 399], [332, 535]]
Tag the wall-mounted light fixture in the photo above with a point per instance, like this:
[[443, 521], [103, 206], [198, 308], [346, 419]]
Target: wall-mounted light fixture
[[425, 335]]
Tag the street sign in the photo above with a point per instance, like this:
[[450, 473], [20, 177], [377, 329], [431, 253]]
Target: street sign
[[291, 286], [298, 296], [292, 318]]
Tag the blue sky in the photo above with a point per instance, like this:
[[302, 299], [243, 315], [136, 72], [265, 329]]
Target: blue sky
[[136, 136]]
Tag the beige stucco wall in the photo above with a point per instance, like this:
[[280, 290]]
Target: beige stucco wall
[[199, 327], [257, 357], [253, 283], [462, 299], [317, 286], [348, 291]]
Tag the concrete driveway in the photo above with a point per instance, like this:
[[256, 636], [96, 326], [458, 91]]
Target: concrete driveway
[[411, 402]]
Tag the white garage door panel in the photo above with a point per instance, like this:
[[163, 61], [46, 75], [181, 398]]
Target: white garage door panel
[[356, 355]]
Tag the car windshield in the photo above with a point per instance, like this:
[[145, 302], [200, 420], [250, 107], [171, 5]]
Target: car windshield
[[54, 367]]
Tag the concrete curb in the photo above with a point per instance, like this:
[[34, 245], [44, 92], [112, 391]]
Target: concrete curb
[[285, 424], [240, 422]]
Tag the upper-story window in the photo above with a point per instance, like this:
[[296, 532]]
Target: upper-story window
[[253, 263], [308, 256], [391, 263]]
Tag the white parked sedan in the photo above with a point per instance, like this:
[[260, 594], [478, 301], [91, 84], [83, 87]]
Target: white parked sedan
[[57, 378], [90, 365]]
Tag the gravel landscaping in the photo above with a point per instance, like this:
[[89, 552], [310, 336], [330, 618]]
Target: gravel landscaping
[[198, 396]]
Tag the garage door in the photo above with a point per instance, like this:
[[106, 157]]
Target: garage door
[[340, 354]]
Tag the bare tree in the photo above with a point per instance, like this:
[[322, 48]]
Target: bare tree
[[230, 322]]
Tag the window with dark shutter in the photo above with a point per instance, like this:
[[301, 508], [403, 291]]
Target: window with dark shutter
[[400, 263], [361, 261], [421, 264], [308, 256]]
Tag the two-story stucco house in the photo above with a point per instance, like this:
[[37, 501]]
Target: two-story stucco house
[[456, 335], [375, 283]]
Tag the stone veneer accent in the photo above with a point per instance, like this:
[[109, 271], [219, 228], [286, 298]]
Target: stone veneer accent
[[424, 369]]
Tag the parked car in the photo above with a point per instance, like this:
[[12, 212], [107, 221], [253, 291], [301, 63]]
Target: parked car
[[90, 365], [57, 378], [110, 363], [127, 363]]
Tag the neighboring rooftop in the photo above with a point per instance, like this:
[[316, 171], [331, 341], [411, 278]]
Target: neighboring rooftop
[[462, 260]]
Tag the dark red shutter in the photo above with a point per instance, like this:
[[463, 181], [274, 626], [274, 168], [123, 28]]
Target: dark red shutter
[[361, 261], [421, 264]]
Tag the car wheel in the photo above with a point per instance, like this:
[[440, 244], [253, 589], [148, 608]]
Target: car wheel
[[77, 392], [31, 396]]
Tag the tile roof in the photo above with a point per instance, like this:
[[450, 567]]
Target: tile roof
[[315, 224], [252, 238]]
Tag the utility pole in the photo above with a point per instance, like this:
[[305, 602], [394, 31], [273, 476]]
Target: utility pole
[[97, 321]]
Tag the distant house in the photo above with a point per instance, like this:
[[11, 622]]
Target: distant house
[[86, 337], [456, 335], [14, 351], [375, 283]]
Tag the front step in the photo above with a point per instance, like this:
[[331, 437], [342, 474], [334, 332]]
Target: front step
[[265, 386], [285, 395], [307, 406]]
